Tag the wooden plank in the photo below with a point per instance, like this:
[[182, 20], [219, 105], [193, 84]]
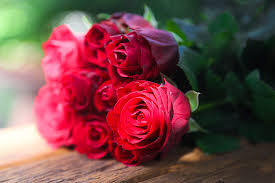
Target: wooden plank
[[252, 163]]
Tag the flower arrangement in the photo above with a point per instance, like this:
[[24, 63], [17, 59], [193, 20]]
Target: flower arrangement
[[108, 91]]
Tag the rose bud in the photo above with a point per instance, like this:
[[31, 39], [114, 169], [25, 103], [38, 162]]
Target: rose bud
[[54, 118], [95, 41], [63, 51], [91, 137], [141, 54], [128, 20], [79, 87], [149, 118], [105, 97]]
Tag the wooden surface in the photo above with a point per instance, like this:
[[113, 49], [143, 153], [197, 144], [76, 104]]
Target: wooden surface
[[24, 157]]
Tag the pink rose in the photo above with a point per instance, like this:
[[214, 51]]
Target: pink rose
[[54, 118], [63, 51], [91, 136]]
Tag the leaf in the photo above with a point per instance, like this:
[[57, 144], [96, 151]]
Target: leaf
[[195, 33], [235, 90], [193, 60], [190, 76], [263, 97], [218, 117], [217, 143], [258, 132], [192, 64], [195, 127], [214, 86], [149, 16], [178, 34], [225, 22], [193, 98], [103, 16]]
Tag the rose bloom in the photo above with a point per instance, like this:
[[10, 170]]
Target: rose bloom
[[91, 136], [63, 51], [141, 54], [95, 40], [79, 86], [147, 119], [125, 21], [105, 97], [54, 118]]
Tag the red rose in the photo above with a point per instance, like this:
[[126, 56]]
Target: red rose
[[148, 118], [95, 41], [164, 48], [54, 118], [130, 59], [79, 87], [141, 54], [130, 158], [91, 137], [105, 97], [129, 20], [63, 51]]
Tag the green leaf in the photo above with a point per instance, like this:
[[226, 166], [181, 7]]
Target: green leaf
[[193, 60], [192, 64], [103, 16], [178, 34], [257, 86], [214, 86], [190, 76], [258, 132], [193, 98], [217, 143], [235, 90], [149, 16], [225, 22], [263, 97], [217, 117], [195, 127]]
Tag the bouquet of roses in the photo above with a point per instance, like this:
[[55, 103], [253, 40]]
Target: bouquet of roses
[[105, 91]]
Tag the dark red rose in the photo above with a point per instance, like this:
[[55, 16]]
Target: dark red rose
[[95, 41], [128, 20], [130, 59], [105, 97], [91, 137], [80, 85], [148, 118], [63, 51], [54, 118], [164, 48]]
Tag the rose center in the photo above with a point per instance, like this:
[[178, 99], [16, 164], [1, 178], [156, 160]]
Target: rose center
[[94, 135]]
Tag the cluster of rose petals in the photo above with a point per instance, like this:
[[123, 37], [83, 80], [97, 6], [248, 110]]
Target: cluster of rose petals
[[97, 97]]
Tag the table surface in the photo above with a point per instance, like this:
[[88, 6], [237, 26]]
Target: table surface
[[25, 157]]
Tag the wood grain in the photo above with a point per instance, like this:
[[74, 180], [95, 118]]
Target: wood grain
[[252, 163]]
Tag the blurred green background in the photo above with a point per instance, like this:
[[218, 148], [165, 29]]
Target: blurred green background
[[25, 24]]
